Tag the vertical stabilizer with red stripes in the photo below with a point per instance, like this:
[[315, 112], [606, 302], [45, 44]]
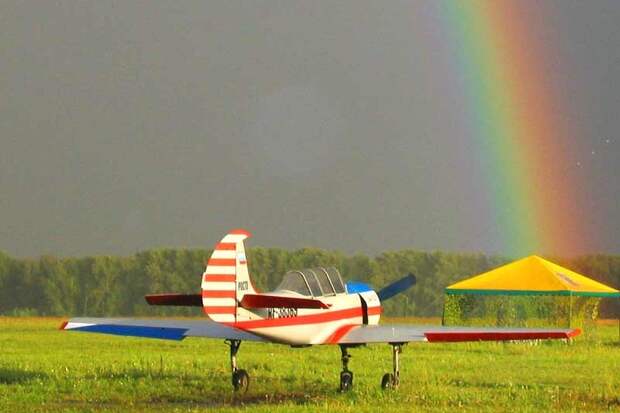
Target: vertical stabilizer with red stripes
[[226, 279]]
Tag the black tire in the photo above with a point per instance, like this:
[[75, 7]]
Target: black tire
[[346, 381], [241, 381], [387, 382]]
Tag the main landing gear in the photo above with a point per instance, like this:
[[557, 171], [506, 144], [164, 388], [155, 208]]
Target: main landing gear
[[346, 376], [240, 377], [392, 380], [389, 380]]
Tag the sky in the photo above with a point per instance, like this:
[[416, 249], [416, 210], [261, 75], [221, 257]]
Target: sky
[[126, 126]]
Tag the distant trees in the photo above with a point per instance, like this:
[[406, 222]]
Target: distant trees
[[112, 286]]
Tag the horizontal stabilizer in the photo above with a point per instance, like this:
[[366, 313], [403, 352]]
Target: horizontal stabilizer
[[277, 301], [181, 300], [397, 287]]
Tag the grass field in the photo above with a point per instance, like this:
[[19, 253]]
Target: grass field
[[43, 369]]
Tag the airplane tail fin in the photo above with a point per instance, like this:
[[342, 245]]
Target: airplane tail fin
[[226, 279]]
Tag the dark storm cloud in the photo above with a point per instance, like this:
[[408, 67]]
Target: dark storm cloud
[[128, 125]]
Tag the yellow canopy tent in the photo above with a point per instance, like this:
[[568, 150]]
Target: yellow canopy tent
[[532, 276]]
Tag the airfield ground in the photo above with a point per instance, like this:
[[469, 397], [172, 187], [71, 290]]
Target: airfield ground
[[46, 370]]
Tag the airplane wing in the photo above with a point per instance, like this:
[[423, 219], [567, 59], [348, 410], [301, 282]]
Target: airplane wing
[[408, 333], [169, 329]]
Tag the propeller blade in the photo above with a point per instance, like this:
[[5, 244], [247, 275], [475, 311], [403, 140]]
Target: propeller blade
[[397, 287]]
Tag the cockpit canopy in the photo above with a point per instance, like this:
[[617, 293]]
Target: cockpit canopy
[[314, 282]]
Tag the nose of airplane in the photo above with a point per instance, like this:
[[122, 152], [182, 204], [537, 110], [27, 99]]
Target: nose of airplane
[[355, 287]]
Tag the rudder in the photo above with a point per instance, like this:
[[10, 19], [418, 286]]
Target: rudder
[[226, 278]]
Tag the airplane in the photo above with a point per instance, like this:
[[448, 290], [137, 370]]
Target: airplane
[[309, 307]]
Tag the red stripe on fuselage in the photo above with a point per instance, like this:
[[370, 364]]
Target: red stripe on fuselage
[[335, 338], [222, 262], [219, 294], [324, 316], [374, 310], [220, 277]]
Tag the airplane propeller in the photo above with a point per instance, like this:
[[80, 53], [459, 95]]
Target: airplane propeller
[[397, 287]]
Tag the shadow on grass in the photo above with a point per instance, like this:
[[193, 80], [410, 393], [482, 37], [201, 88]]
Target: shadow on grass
[[293, 398], [495, 385], [15, 376], [137, 374], [226, 399], [613, 402], [193, 395]]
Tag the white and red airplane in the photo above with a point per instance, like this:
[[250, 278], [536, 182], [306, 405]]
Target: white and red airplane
[[309, 307]]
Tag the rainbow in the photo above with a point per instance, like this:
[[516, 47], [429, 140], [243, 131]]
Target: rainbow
[[516, 118]]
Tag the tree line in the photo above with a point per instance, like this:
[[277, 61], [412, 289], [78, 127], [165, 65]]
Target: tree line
[[115, 286]]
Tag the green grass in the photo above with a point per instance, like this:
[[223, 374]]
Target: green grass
[[46, 370]]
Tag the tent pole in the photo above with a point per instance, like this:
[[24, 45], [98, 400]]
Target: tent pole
[[443, 312], [570, 309]]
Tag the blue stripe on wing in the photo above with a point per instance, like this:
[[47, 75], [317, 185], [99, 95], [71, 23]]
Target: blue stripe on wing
[[166, 333]]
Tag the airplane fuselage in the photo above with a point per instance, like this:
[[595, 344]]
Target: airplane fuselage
[[306, 326]]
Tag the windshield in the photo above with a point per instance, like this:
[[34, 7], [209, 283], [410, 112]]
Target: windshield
[[334, 277], [294, 281], [326, 284], [315, 282]]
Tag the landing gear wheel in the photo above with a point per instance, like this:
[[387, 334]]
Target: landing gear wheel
[[241, 381], [346, 381], [392, 380], [388, 382]]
